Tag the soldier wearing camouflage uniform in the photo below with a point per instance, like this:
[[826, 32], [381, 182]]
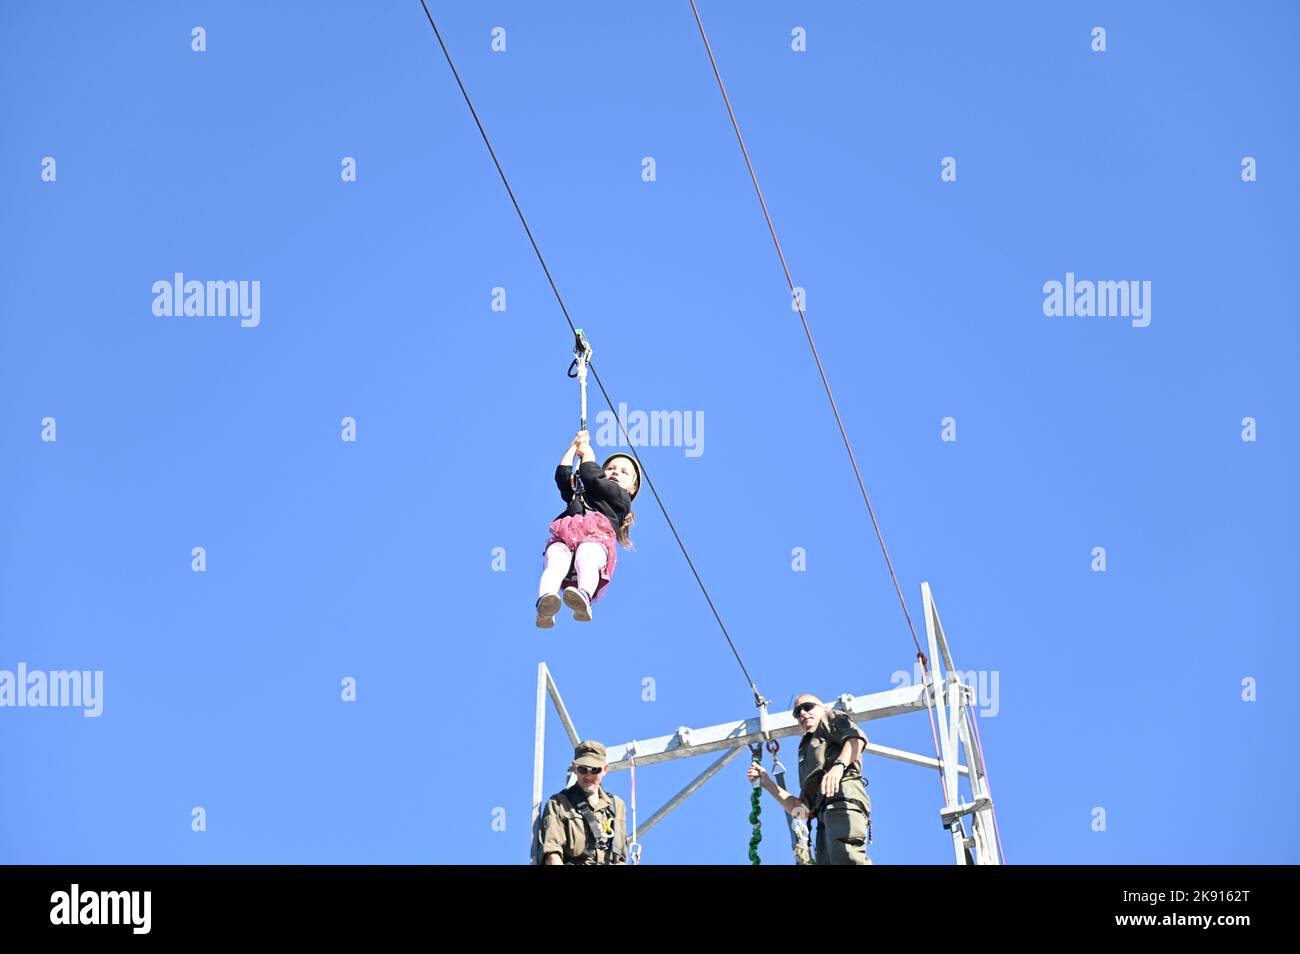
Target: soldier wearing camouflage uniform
[[584, 824], [831, 786]]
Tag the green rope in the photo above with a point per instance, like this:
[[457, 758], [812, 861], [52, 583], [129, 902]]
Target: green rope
[[755, 809]]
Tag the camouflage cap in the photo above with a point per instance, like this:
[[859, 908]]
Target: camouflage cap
[[591, 754]]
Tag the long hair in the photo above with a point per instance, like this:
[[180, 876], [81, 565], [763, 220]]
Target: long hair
[[622, 532]]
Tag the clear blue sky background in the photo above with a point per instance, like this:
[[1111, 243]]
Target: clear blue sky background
[[1119, 690]]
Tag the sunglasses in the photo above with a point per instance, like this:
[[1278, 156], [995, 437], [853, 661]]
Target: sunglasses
[[804, 707], [588, 770]]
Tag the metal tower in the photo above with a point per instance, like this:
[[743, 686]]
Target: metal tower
[[970, 823]]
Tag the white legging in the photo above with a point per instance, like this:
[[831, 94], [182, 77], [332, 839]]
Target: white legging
[[590, 560]]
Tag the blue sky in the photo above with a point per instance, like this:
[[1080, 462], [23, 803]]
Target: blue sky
[[373, 559]]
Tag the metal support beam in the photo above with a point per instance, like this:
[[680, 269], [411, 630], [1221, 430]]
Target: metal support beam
[[560, 710], [546, 685], [686, 742], [985, 835], [957, 734], [539, 739], [690, 789], [938, 689]]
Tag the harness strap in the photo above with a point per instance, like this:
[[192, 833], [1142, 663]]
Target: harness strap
[[597, 839]]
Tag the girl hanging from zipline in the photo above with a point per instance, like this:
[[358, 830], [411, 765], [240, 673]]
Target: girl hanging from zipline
[[582, 548]]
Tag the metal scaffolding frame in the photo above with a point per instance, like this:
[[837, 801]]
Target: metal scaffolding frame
[[944, 689]]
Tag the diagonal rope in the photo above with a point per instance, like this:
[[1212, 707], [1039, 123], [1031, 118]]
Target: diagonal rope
[[758, 698], [948, 797], [802, 317]]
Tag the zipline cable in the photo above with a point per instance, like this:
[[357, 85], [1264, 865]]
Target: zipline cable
[[807, 331], [794, 297], [758, 697]]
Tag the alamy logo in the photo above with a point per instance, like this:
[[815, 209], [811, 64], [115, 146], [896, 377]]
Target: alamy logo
[[984, 682], [1088, 299], [194, 299], [651, 429], [56, 689], [103, 907]]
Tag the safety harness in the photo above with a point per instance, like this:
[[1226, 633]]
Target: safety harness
[[598, 839]]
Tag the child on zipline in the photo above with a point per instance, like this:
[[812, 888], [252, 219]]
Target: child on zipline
[[581, 551]]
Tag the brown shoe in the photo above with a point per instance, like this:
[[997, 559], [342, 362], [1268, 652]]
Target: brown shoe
[[547, 607], [577, 600]]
